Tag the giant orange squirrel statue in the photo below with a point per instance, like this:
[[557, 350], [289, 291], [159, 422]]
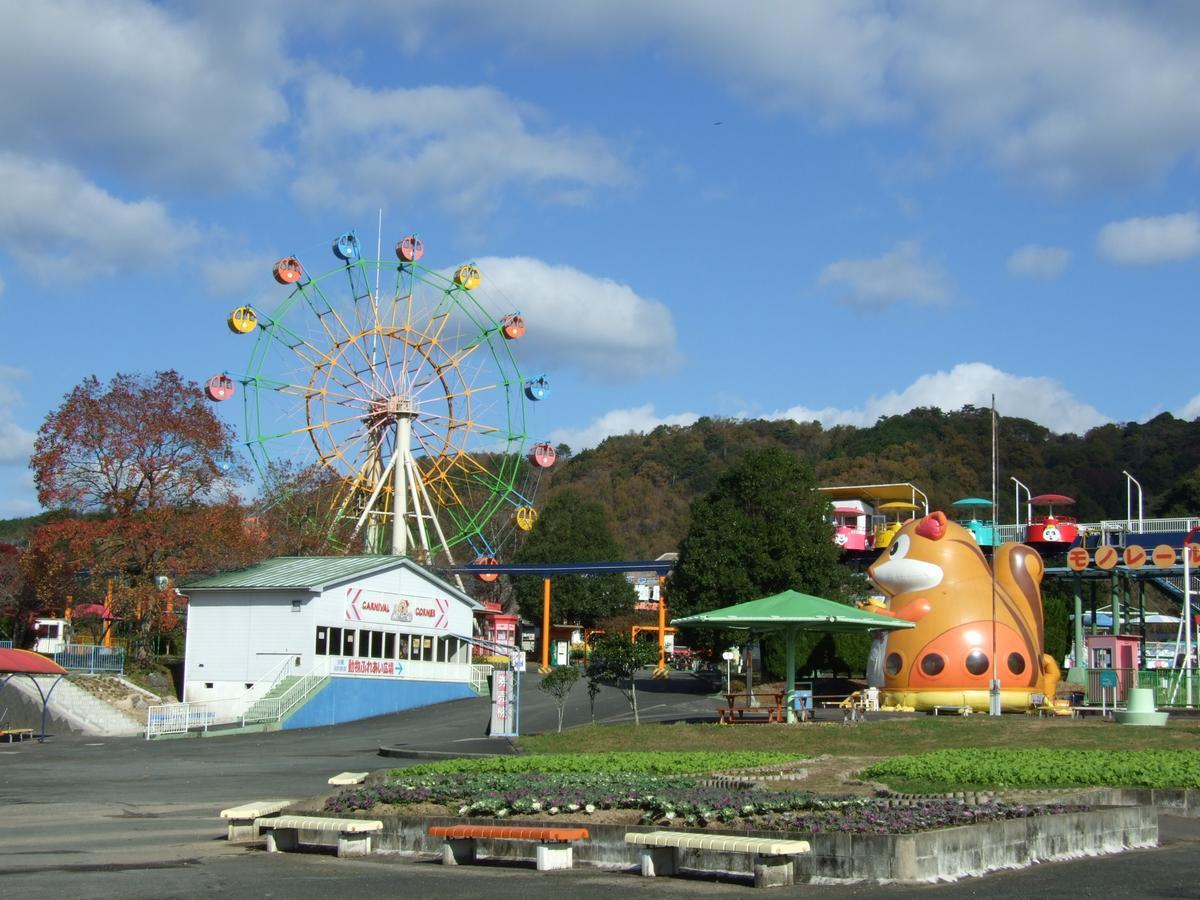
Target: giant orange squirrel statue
[[934, 575]]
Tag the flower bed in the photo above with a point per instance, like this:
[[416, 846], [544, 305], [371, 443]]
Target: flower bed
[[1044, 768], [633, 763], [652, 799]]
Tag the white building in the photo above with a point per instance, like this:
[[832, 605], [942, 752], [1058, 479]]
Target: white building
[[388, 634]]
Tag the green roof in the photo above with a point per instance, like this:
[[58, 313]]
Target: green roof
[[311, 573], [791, 609]]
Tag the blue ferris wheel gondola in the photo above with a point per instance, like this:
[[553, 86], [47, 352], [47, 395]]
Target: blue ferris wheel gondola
[[347, 247], [537, 388]]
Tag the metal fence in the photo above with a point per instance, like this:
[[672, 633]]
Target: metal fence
[[91, 658], [272, 709], [479, 678], [1170, 686], [5, 645]]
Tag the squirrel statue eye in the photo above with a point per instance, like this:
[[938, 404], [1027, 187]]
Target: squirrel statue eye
[[899, 547]]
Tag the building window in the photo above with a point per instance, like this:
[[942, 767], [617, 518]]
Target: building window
[[348, 642], [364, 643], [427, 649], [335, 642], [322, 640], [389, 645], [402, 646], [376, 644]]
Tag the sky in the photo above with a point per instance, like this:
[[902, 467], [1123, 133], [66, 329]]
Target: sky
[[830, 211]]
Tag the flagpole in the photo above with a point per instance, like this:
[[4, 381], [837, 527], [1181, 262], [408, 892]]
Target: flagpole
[[994, 687]]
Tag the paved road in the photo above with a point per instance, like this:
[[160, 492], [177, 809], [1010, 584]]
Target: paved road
[[85, 817]]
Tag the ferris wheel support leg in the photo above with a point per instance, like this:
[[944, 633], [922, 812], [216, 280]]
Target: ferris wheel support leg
[[414, 479], [400, 493], [370, 504]]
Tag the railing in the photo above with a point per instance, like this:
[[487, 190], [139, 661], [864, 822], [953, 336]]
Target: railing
[[272, 709], [479, 678], [5, 645], [1170, 686], [180, 718], [90, 658]]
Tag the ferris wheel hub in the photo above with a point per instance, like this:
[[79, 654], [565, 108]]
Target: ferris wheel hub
[[401, 405]]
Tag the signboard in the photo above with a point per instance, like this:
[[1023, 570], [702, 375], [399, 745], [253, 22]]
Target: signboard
[[1078, 559], [367, 668], [1108, 678], [378, 608], [518, 661], [1164, 556], [1106, 557], [1135, 556], [504, 704]]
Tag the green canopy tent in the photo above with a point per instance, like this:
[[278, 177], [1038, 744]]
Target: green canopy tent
[[790, 613]]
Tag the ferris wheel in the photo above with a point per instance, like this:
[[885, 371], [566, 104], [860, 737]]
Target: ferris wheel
[[401, 382]]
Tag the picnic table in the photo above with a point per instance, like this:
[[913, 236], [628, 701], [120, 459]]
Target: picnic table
[[740, 708]]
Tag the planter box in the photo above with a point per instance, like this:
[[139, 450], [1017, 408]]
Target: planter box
[[941, 855]]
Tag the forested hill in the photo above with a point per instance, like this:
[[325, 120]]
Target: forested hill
[[647, 481]]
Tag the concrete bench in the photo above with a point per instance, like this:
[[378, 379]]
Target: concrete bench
[[773, 865], [554, 850], [349, 778], [288, 832], [241, 818]]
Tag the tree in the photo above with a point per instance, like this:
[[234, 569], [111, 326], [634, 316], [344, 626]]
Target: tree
[[14, 599], [558, 683], [762, 529], [571, 529], [615, 661], [140, 442]]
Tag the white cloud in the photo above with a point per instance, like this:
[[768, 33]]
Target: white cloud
[[1190, 410], [1066, 95], [1141, 242], [19, 498], [638, 420], [1034, 261], [1040, 399], [59, 224], [133, 87], [899, 275], [233, 276], [15, 442], [462, 146], [599, 325]]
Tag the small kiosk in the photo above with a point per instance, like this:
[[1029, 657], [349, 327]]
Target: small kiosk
[[384, 633]]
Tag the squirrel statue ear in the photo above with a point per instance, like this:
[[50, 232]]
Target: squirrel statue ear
[[933, 526]]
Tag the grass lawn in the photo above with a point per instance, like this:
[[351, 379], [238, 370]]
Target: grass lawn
[[879, 738]]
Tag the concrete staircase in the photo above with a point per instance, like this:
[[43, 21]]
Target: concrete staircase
[[264, 704], [75, 708]]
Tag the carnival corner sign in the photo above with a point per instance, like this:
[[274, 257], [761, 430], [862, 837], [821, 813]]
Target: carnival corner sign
[[378, 608]]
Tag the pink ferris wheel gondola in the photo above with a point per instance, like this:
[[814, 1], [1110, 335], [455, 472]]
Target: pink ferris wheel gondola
[[219, 387], [543, 455]]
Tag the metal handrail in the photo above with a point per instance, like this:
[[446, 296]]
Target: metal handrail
[[272, 709], [479, 677]]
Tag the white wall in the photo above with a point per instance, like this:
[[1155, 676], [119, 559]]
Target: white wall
[[241, 637]]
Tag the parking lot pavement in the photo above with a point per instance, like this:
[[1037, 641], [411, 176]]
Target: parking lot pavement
[[100, 817]]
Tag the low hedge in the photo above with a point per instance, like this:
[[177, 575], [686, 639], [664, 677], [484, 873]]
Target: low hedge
[[631, 763]]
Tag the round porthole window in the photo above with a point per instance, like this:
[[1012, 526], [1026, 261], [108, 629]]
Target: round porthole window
[[932, 664], [892, 664], [1016, 663], [977, 662]]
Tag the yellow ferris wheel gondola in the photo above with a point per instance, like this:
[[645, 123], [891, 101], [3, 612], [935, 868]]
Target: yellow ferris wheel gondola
[[243, 320]]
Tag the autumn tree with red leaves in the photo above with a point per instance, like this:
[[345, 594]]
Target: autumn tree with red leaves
[[136, 443], [140, 466]]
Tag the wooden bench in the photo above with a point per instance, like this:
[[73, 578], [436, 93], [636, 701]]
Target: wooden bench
[[773, 863], [9, 735], [288, 832], [554, 849], [241, 818]]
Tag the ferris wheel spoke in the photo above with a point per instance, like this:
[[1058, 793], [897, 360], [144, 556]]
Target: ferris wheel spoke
[[317, 358], [349, 337]]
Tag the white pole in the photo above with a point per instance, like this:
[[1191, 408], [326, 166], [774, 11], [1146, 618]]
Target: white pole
[[1187, 616], [994, 688]]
